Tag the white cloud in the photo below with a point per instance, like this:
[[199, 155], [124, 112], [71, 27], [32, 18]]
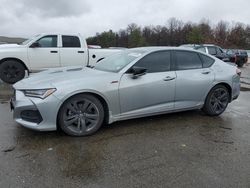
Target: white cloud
[[29, 17]]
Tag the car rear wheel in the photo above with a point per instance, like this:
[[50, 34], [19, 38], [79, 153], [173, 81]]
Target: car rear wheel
[[81, 115], [11, 71], [217, 101]]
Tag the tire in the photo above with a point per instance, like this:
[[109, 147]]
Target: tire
[[217, 101], [81, 115], [11, 71], [240, 63]]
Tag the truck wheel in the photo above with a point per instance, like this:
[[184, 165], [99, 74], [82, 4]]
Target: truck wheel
[[11, 71]]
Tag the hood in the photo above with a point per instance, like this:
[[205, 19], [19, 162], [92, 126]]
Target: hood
[[9, 46], [59, 76]]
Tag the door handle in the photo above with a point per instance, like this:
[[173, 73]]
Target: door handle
[[169, 78], [53, 52], [80, 52], [206, 72]]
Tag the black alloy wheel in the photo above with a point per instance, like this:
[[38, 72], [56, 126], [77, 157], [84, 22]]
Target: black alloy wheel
[[81, 115]]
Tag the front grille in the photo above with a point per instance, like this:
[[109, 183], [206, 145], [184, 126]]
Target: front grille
[[32, 116]]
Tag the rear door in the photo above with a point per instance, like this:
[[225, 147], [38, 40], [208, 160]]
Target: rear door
[[46, 54], [71, 51], [152, 92], [193, 78]]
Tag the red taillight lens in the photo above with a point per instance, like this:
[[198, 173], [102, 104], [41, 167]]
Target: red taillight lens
[[238, 71]]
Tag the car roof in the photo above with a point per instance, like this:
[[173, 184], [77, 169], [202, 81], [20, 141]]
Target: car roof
[[157, 48]]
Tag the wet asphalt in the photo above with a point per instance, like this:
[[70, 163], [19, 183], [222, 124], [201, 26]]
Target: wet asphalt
[[185, 149]]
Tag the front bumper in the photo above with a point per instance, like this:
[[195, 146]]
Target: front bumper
[[35, 113]]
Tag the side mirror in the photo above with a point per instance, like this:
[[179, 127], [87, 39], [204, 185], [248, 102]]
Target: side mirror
[[137, 71], [35, 45]]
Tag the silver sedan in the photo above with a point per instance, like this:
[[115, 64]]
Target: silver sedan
[[131, 84]]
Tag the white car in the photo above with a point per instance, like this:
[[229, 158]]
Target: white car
[[47, 51]]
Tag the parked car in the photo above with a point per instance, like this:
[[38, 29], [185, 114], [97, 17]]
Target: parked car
[[213, 50], [47, 51], [134, 83], [239, 57]]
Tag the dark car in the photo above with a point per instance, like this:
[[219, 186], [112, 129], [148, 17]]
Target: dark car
[[239, 57], [214, 50]]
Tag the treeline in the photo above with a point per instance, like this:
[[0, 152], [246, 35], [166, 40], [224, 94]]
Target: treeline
[[175, 33]]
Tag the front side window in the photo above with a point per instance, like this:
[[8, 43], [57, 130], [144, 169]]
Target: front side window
[[187, 60], [211, 50], [156, 62], [48, 41], [70, 42]]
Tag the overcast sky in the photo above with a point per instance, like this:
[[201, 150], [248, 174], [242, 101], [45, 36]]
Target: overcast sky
[[29, 17]]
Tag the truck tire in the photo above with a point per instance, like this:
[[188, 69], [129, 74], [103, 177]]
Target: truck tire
[[11, 71]]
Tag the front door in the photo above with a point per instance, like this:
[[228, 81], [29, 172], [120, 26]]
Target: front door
[[45, 54], [150, 93]]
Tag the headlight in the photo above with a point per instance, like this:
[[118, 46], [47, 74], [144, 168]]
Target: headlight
[[39, 93]]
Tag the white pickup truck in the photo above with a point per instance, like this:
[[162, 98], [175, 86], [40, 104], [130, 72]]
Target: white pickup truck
[[47, 51]]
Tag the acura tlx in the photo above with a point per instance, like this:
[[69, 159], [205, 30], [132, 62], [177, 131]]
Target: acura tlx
[[130, 84]]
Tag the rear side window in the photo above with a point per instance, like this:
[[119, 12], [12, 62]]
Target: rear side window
[[207, 61], [156, 62], [70, 42], [187, 60], [211, 50], [230, 52], [202, 49]]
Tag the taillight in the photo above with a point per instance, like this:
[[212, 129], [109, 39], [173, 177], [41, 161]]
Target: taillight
[[238, 71]]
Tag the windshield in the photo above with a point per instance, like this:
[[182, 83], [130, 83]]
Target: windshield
[[118, 61], [28, 40]]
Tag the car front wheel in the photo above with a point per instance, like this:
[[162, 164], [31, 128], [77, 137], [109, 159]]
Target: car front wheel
[[81, 115], [217, 101]]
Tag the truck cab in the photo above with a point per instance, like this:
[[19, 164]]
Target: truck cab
[[47, 51]]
